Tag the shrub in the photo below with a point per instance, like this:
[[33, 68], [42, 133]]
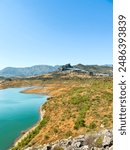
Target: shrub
[[99, 141], [92, 125], [68, 134], [105, 121], [79, 123], [46, 137], [55, 130]]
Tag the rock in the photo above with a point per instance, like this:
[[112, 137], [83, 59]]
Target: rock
[[65, 67], [108, 140], [77, 144], [96, 148], [47, 147], [69, 143], [82, 142], [29, 148], [111, 148], [85, 147]]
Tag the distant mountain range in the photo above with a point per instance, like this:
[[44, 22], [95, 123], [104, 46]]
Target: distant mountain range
[[27, 71], [43, 69]]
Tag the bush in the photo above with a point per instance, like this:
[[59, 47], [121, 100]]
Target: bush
[[46, 137], [68, 134], [79, 123], [99, 141], [92, 125], [55, 130], [105, 121]]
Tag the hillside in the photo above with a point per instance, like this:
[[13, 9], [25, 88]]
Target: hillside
[[27, 71], [96, 68], [78, 104], [74, 108]]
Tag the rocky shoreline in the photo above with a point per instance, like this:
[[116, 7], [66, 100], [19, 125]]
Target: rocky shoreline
[[102, 140]]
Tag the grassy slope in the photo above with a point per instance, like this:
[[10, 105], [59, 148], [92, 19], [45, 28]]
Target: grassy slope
[[76, 106], [80, 107]]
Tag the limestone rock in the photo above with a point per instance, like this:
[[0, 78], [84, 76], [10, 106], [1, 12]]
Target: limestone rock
[[82, 142]]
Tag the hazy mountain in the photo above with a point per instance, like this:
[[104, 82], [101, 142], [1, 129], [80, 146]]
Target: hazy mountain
[[43, 69], [27, 71]]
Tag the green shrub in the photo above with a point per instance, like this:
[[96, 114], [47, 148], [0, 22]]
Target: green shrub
[[92, 125], [68, 134], [55, 130], [79, 123], [99, 141], [46, 137], [105, 121]]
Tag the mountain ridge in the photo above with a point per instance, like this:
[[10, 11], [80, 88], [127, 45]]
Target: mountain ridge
[[27, 71], [44, 69]]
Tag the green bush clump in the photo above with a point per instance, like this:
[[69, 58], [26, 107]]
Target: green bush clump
[[46, 137], [99, 141], [105, 121], [55, 130], [68, 134], [79, 123], [76, 100], [92, 125]]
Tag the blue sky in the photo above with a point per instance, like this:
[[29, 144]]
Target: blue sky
[[55, 32]]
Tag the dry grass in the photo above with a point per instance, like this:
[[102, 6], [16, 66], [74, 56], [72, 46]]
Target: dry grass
[[77, 104], [76, 107]]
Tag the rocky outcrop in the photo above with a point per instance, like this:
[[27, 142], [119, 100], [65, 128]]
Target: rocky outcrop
[[69, 68], [102, 140], [65, 67]]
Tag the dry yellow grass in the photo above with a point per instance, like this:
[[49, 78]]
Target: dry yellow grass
[[63, 114], [77, 104]]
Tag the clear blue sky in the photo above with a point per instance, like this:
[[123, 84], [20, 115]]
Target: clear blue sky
[[52, 32]]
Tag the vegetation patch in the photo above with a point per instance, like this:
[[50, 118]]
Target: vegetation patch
[[99, 141], [68, 134], [92, 125], [77, 105]]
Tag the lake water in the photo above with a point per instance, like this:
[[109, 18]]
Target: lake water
[[18, 112]]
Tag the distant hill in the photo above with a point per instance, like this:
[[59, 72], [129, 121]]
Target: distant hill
[[108, 69], [27, 71]]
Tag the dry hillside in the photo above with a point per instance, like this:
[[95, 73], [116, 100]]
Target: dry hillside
[[77, 104]]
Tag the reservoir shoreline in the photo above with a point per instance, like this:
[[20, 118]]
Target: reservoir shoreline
[[41, 115], [31, 128], [22, 136]]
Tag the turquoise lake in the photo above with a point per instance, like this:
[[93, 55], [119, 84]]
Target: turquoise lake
[[18, 112]]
